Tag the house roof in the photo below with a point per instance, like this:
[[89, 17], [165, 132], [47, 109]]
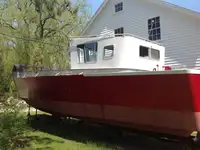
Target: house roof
[[160, 2]]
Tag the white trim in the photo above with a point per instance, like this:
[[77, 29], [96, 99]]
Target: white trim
[[134, 73], [161, 2]]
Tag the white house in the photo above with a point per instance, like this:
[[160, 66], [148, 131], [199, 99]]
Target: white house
[[177, 28]]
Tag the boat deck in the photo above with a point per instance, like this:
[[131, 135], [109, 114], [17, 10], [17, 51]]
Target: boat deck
[[104, 72]]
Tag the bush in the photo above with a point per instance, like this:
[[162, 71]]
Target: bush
[[12, 124]]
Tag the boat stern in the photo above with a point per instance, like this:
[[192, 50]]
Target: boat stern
[[18, 74]]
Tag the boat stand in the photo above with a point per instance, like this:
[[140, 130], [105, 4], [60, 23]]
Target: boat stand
[[29, 114], [69, 119], [36, 115]]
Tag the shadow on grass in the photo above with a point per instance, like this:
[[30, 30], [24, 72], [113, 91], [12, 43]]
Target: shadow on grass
[[26, 141], [100, 135]]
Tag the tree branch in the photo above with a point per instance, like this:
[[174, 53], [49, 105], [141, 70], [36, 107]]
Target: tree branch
[[54, 31], [7, 24], [42, 24]]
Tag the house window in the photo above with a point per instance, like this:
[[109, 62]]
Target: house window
[[108, 52], [154, 29], [87, 53], [119, 31], [149, 53], [119, 7]]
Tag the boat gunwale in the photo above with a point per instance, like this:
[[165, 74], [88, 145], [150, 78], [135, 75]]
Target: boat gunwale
[[108, 72]]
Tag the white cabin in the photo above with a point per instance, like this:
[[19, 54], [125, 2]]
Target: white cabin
[[178, 29], [123, 52]]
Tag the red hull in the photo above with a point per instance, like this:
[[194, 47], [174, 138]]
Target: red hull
[[160, 103]]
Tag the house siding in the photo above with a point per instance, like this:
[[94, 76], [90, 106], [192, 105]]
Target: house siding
[[180, 32]]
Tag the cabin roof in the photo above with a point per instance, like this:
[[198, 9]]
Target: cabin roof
[[160, 2], [99, 38]]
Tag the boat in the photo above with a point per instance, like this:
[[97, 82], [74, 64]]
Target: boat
[[118, 80]]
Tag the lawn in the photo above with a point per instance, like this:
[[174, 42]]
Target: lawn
[[51, 134], [45, 141], [47, 133]]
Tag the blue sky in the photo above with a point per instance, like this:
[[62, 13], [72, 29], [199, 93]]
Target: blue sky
[[189, 4]]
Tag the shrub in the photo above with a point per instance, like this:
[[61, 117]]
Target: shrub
[[12, 124]]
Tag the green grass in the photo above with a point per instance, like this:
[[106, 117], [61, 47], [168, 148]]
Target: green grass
[[44, 141], [50, 134]]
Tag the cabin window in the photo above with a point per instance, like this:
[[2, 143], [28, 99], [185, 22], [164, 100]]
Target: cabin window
[[155, 54], [80, 51], [108, 52], [91, 52], [154, 29], [119, 31], [149, 52], [144, 51], [87, 53], [119, 7]]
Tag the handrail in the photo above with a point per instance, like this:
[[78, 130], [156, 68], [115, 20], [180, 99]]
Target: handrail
[[21, 70], [115, 35]]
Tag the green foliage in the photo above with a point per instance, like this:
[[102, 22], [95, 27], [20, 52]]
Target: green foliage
[[13, 124], [35, 32]]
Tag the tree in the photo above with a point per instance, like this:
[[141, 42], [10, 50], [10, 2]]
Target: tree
[[35, 32], [40, 31]]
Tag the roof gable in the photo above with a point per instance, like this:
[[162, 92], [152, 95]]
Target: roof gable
[[159, 2], [95, 15], [176, 7]]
